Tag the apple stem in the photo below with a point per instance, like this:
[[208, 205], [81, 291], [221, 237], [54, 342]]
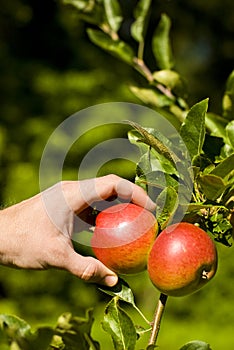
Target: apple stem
[[157, 318]]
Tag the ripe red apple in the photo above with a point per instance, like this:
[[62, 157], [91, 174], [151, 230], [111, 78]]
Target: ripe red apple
[[182, 259], [123, 237]]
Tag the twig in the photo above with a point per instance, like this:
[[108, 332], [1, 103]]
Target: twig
[[157, 318]]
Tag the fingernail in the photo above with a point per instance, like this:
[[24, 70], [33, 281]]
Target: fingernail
[[111, 280]]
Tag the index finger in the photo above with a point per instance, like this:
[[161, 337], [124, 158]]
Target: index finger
[[101, 188]]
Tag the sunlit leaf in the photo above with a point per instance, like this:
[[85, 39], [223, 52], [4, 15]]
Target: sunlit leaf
[[113, 14], [88, 10], [19, 332], [151, 97], [167, 203], [230, 133], [15, 325], [81, 4], [76, 330], [120, 326], [141, 15], [167, 157], [196, 345], [216, 124], [228, 98], [172, 80], [193, 129], [122, 290], [211, 185], [224, 168], [161, 44], [116, 47], [157, 179]]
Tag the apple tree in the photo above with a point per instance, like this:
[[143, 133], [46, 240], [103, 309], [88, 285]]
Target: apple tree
[[209, 140]]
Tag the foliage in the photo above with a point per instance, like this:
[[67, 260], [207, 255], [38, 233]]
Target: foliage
[[209, 138]]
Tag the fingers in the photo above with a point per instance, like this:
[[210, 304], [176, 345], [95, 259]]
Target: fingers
[[102, 188], [90, 270]]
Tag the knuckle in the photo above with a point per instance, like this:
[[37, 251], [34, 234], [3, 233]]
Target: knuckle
[[90, 271]]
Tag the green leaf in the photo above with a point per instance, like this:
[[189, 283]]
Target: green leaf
[[113, 14], [141, 12], [230, 133], [196, 345], [151, 97], [19, 332], [216, 124], [159, 143], [41, 339], [211, 185], [193, 128], [228, 98], [157, 179], [14, 325], [116, 47], [76, 330], [166, 203], [224, 168], [120, 326], [122, 290], [88, 10], [161, 44], [83, 5], [172, 80]]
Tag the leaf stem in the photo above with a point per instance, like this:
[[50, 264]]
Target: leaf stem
[[141, 313], [157, 318]]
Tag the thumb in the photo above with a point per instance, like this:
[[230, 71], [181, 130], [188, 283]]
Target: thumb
[[90, 269]]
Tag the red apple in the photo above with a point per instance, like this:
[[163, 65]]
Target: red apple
[[123, 237], [182, 260]]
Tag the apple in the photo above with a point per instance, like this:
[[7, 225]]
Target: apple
[[182, 260], [123, 236]]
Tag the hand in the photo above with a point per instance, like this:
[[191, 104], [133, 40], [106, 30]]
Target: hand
[[37, 233]]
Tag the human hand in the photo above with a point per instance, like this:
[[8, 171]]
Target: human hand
[[37, 233]]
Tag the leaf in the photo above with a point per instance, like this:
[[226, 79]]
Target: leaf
[[157, 179], [224, 168], [41, 339], [76, 330], [166, 203], [15, 325], [89, 11], [211, 185], [80, 4], [230, 133], [166, 157], [120, 326], [193, 128], [196, 345], [141, 12], [216, 124], [228, 98], [161, 44], [151, 96], [172, 80], [19, 332], [113, 14], [116, 47], [122, 290]]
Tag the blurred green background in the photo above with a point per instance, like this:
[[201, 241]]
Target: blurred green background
[[50, 70]]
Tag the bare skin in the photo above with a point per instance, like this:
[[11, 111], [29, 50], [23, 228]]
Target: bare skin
[[36, 233]]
